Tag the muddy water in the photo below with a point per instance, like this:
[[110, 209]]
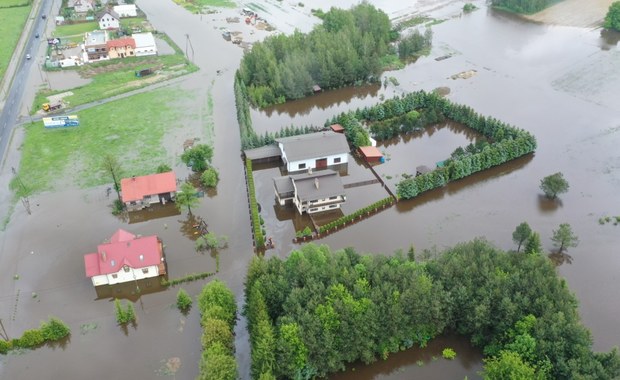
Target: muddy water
[[65, 79], [539, 78]]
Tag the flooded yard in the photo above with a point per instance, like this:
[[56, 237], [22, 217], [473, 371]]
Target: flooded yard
[[560, 83]]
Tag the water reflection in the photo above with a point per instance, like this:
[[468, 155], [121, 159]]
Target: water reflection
[[156, 211], [326, 99], [546, 205], [132, 290], [559, 258], [609, 39]]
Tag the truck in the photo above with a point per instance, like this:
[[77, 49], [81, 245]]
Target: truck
[[52, 106], [144, 72]]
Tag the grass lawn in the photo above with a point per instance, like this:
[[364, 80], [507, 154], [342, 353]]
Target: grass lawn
[[131, 129], [14, 3], [130, 22], [196, 6], [75, 29], [114, 77], [11, 26]]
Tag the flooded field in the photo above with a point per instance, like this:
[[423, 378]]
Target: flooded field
[[560, 83]]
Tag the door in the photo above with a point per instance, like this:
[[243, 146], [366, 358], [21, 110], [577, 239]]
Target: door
[[321, 163]]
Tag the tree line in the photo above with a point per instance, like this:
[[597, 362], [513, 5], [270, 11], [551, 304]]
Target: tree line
[[348, 47], [318, 310], [523, 6]]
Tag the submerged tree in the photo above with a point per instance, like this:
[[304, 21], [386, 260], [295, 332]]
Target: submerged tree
[[521, 234], [187, 197], [112, 167], [564, 237], [554, 184], [612, 20], [198, 157]]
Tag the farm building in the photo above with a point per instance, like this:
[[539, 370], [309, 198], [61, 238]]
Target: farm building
[[311, 192], [140, 192], [314, 151], [125, 258], [145, 44]]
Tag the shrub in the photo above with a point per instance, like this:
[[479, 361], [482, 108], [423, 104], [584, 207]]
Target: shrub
[[164, 168], [54, 329], [31, 338], [5, 346], [209, 177], [448, 353], [124, 316], [184, 301], [259, 237]]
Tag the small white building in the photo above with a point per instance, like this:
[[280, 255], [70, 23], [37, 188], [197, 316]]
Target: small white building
[[311, 192], [126, 10], [108, 19], [81, 6], [145, 44], [125, 258], [314, 151]]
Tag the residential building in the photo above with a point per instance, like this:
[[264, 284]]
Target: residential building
[[125, 258], [140, 192], [108, 19], [145, 44], [311, 192], [126, 10], [81, 6], [314, 151], [121, 48], [95, 45]]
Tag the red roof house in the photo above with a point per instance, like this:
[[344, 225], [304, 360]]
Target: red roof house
[[140, 192], [121, 48], [371, 154], [125, 258]]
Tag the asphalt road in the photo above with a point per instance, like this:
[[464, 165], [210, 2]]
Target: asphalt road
[[10, 113]]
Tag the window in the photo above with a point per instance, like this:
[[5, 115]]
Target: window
[[332, 198], [145, 270], [313, 209], [114, 275], [337, 160], [126, 268], [302, 166], [332, 206]]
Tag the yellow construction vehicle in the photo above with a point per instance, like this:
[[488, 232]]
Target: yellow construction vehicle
[[48, 107]]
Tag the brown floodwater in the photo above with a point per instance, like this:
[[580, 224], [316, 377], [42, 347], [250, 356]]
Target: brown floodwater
[[537, 77]]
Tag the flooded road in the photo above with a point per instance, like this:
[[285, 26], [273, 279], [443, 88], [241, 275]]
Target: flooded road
[[540, 78]]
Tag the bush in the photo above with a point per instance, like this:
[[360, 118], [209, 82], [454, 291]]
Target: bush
[[259, 237], [348, 218], [55, 329], [184, 301], [31, 338], [126, 315], [188, 278], [164, 168], [209, 177], [448, 353], [468, 7], [5, 346]]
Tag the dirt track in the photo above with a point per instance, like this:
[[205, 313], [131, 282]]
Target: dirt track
[[580, 13]]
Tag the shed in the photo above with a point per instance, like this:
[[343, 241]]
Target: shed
[[422, 169], [372, 154], [337, 128], [316, 88]]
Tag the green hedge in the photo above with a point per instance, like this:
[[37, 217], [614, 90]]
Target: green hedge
[[50, 331], [188, 278], [361, 212], [259, 238]]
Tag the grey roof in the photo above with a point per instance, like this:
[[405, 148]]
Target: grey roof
[[329, 183], [423, 169], [314, 145], [263, 152], [111, 12], [96, 37], [284, 185]]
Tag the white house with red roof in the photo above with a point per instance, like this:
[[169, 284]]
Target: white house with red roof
[[125, 258], [140, 192]]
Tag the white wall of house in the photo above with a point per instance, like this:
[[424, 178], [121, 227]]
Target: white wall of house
[[319, 205], [126, 276], [301, 165], [108, 21]]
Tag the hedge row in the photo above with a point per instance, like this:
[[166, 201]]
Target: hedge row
[[357, 214], [243, 114], [259, 239], [188, 278], [50, 331]]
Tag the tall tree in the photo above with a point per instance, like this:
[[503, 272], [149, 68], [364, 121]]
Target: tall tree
[[554, 184], [187, 197], [508, 366], [533, 244], [112, 167], [521, 234], [564, 237]]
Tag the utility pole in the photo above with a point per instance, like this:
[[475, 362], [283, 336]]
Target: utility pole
[[3, 334]]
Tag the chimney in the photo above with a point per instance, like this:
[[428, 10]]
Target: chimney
[[316, 183], [103, 256]]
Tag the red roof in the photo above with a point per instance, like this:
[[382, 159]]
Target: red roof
[[136, 188], [337, 127], [124, 249], [370, 151], [121, 42]]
